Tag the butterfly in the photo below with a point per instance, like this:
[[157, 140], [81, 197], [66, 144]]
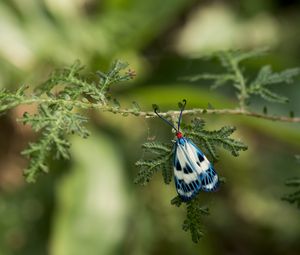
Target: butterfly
[[192, 170]]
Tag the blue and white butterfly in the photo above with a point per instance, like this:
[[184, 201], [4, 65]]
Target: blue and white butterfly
[[192, 170]]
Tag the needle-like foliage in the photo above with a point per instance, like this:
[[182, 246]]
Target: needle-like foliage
[[266, 77], [210, 139], [58, 102], [294, 197], [235, 76], [55, 122], [194, 214], [162, 160]]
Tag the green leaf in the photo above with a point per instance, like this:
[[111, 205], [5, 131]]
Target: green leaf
[[194, 214], [193, 221], [57, 100], [55, 123], [167, 171], [160, 160], [218, 79], [295, 182], [293, 197], [156, 148], [271, 96], [209, 140], [267, 77], [66, 76], [116, 74], [239, 55], [234, 76], [176, 201], [75, 85]]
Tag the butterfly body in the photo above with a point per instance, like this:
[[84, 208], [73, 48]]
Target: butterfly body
[[192, 170]]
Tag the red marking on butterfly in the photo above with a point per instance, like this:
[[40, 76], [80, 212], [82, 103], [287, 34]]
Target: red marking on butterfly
[[179, 135]]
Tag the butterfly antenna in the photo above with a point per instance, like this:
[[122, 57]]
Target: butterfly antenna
[[165, 120], [180, 115]]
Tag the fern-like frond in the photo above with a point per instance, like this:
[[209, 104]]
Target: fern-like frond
[[156, 148], [55, 123], [240, 55], [235, 76], [75, 85], [58, 100], [161, 159], [10, 99], [294, 197], [231, 58], [218, 79], [194, 215], [266, 77], [209, 140]]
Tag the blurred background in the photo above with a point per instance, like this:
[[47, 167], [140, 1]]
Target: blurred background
[[89, 205]]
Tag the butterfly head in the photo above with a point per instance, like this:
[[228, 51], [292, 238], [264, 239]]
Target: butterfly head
[[179, 135]]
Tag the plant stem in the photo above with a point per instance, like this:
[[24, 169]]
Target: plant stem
[[149, 114], [243, 95]]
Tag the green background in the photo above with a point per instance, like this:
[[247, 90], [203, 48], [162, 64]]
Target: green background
[[89, 205]]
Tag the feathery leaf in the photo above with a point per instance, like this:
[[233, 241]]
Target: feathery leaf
[[293, 197]]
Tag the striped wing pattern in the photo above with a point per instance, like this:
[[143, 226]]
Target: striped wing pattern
[[192, 170]]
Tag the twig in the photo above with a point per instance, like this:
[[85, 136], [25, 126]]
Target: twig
[[151, 114]]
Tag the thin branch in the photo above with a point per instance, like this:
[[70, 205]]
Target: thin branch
[[151, 114], [240, 112]]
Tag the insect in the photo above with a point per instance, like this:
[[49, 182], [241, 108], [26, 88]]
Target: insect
[[192, 170]]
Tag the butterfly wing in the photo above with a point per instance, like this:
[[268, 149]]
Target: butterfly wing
[[207, 174], [192, 171]]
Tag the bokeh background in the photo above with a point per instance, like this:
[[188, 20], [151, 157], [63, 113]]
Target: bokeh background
[[89, 205]]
